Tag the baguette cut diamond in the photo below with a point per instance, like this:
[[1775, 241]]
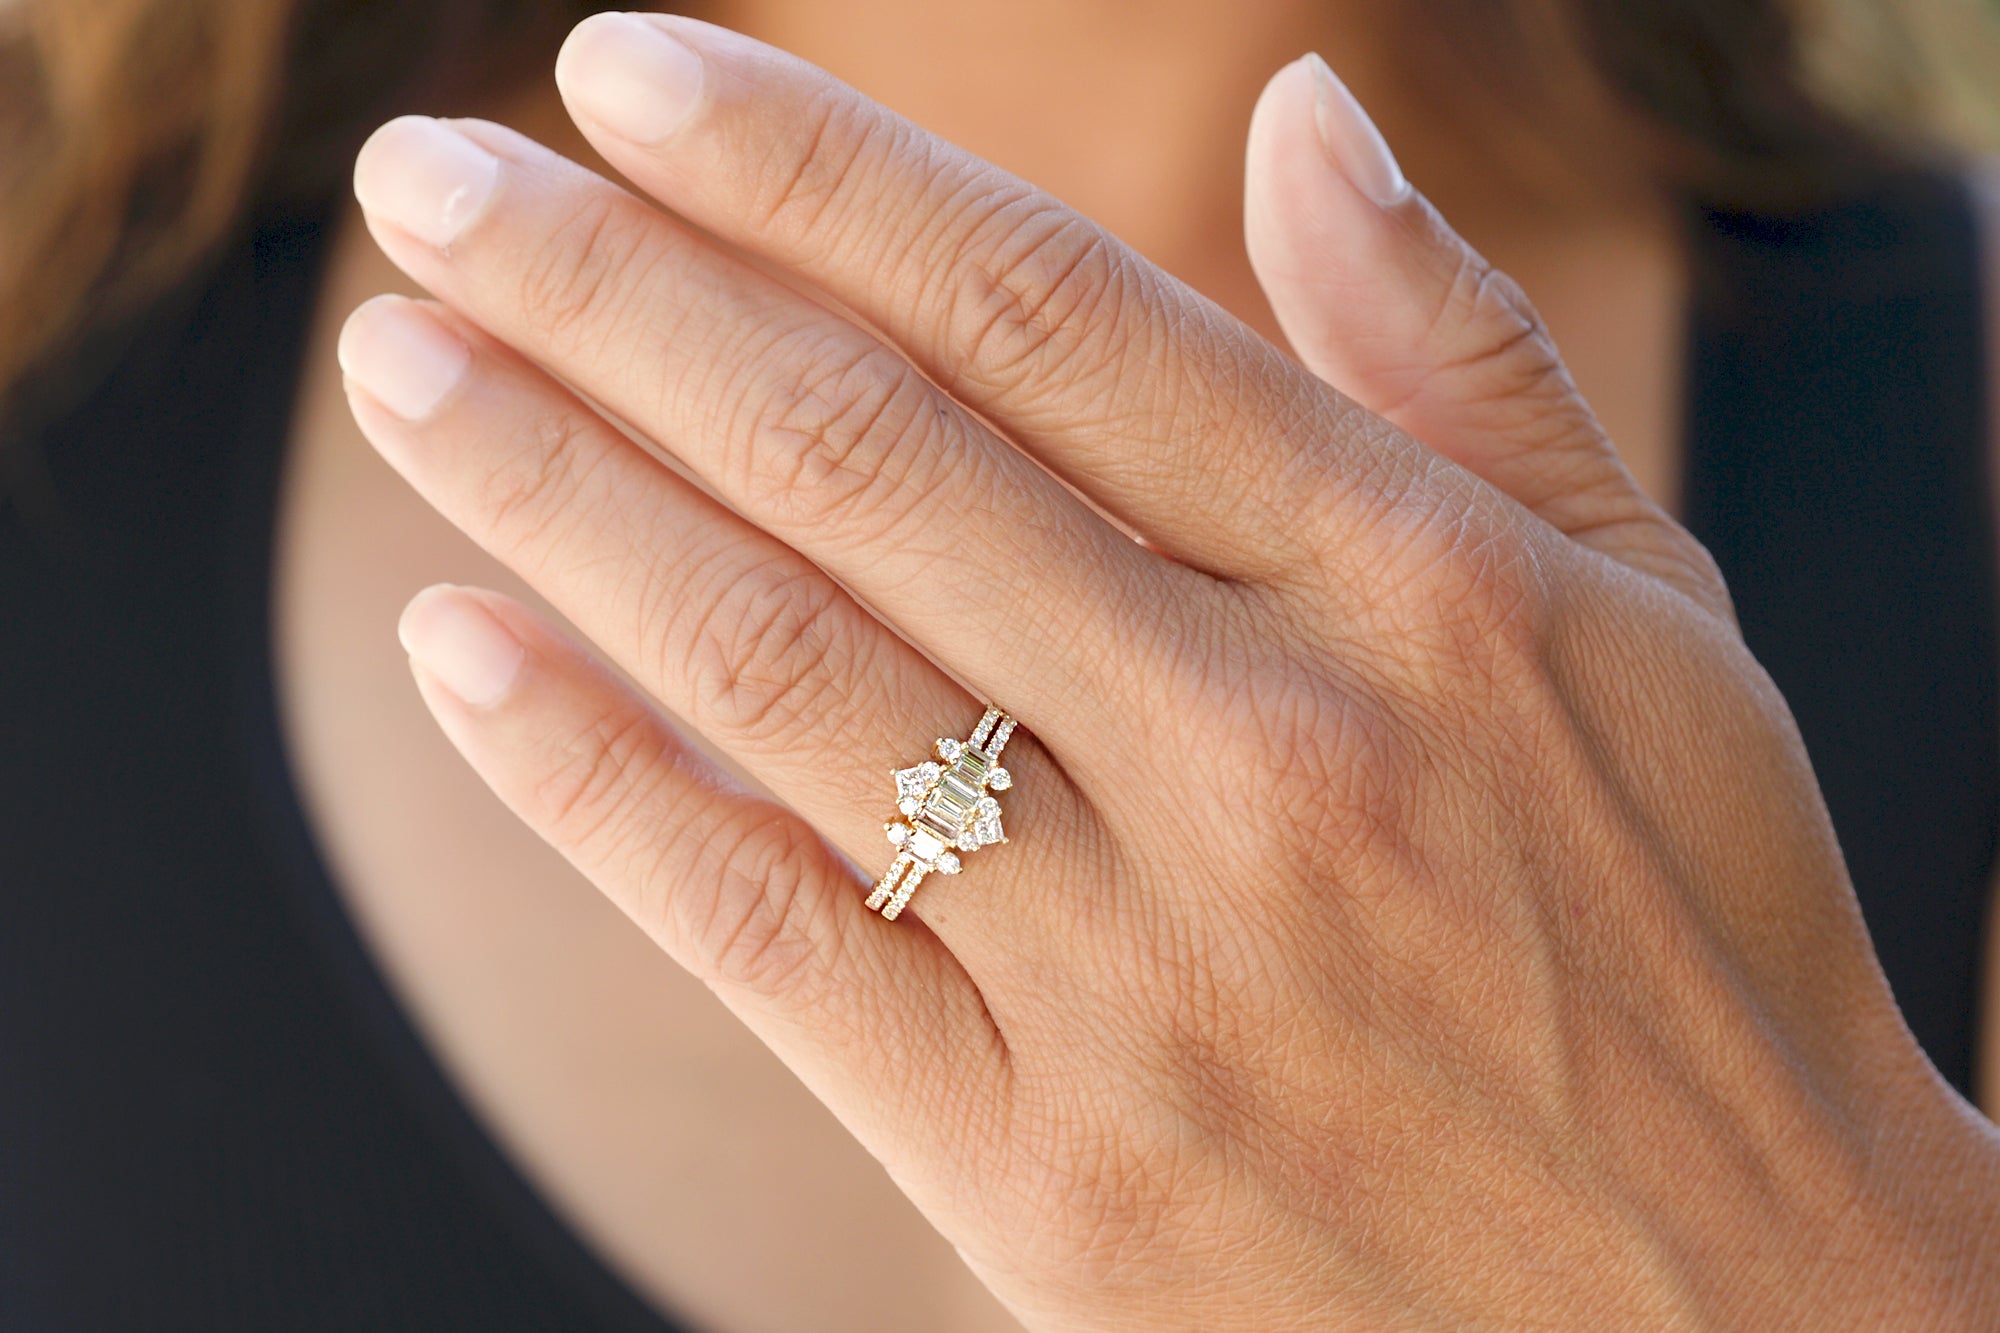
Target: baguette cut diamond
[[948, 810]]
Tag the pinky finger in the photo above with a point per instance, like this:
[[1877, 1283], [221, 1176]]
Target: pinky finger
[[733, 887]]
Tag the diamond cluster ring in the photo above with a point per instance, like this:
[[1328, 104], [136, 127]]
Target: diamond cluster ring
[[946, 810]]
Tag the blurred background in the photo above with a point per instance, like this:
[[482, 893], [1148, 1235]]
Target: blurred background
[[299, 1030]]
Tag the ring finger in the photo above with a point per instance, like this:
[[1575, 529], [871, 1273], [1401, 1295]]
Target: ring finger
[[733, 888]]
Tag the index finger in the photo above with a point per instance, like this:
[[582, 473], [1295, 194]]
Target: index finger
[[1144, 395]]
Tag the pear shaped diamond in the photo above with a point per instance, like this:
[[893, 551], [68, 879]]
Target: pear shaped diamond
[[946, 810]]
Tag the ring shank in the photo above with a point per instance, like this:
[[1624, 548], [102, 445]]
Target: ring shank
[[948, 807]]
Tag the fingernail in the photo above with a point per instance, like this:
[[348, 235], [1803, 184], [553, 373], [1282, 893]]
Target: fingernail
[[421, 175], [402, 356], [1352, 141], [629, 76], [449, 634]]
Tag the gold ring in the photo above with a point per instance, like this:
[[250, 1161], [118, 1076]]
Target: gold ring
[[946, 810]]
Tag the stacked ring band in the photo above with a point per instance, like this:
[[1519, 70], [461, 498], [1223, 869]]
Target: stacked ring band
[[947, 809]]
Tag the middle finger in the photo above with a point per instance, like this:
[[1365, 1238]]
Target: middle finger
[[803, 422]]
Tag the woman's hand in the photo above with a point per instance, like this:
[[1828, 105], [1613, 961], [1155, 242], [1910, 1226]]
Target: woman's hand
[[1417, 907]]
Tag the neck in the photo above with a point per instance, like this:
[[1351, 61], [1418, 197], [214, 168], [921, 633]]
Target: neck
[[1135, 115]]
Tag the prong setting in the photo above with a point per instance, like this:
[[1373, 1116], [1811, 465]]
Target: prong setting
[[946, 810]]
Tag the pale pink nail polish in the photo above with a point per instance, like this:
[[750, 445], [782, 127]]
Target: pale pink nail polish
[[630, 76], [400, 354], [1352, 141], [425, 178], [448, 633]]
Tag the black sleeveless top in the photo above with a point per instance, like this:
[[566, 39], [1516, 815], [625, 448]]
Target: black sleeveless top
[[214, 1116]]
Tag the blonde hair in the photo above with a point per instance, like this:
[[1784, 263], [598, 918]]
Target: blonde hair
[[128, 132], [1927, 68], [134, 133]]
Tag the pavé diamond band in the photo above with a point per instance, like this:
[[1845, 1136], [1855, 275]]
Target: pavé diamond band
[[946, 810]]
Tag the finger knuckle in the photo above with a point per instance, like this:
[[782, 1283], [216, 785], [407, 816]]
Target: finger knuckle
[[1034, 289], [1470, 607], [763, 660], [544, 484], [1486, 323], [1437, 548], [1477, 568], [808, 173], [578, 285], [845, 436], [595, 779], [761, 920], [1317, 741]]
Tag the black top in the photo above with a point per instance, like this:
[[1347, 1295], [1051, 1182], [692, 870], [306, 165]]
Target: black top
[[213, 1115], [1837, 470]]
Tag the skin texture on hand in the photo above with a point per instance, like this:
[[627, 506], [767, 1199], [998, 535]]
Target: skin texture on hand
[[1418, 910]]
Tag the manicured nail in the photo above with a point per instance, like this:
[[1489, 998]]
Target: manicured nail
[[1352, 141], [402, 356], [449, 634], [421, 175], [629, 76]]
